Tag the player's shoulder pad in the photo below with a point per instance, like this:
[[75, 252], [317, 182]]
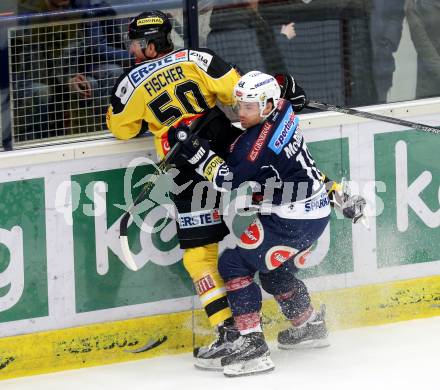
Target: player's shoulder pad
[[121, 93], [210, 62], [283, 107], [284, 126], [272, 131]]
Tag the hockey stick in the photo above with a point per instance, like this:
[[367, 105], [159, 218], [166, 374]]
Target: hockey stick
[[123, 225], [195, 126], [369, 115]]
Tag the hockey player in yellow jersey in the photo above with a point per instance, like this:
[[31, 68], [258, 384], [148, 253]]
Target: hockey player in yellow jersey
[[165, 87]]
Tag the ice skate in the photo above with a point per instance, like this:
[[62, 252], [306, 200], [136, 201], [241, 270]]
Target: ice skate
[[313, 334], [251, 356], [209, 357]]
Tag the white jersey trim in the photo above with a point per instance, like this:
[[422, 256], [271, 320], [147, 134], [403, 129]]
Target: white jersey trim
[[315, 207]]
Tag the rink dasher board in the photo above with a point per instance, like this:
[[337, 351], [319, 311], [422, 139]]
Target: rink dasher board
[[59, 273], [108, 342]]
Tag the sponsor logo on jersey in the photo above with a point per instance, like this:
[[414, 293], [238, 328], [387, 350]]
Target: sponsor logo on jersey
[[165, 144], [210, 169], [315, 204], [203, 60], [144, 21], [275, 115], [260, 141], [253, 236], [277, 255], [142, 72], [181, 54], [204, 284], [198, 156], [199, 218], [284, 132], [223, 171]]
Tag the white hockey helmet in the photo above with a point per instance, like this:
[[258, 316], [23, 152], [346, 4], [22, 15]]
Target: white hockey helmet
[[258, 87]]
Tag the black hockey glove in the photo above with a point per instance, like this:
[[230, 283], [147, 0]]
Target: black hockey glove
[[290, 90], [193, 149]]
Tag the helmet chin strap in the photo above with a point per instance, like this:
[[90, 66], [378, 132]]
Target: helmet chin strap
[[270, 112]]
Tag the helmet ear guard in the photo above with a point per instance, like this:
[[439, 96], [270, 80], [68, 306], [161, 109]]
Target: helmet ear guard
[[151, 27], [258, 87]]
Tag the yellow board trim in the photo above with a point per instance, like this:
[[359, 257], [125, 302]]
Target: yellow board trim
[[105, 343]]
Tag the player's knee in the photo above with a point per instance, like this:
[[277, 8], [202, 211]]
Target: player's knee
[[230, 265], [278, 281], [267, 281], [292, 297]]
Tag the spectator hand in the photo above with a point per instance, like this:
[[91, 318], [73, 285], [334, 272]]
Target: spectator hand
[[291, 91], [81, 85], [288, 30], [193, 149]]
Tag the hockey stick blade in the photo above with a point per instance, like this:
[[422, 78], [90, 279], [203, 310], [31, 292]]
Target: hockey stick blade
[[369, 115], [149, 345], [128, 258]]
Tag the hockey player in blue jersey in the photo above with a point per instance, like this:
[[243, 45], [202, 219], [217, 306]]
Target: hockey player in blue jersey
[[295, 210]]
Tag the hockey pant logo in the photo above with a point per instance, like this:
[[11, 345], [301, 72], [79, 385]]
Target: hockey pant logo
[[253, 236], [277, 255], [204, 284]]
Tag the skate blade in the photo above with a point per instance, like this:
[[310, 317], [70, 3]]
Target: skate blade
[[255, 366], [208, 364], [308, 344]]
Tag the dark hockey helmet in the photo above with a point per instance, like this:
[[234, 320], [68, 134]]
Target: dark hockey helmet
[[151, 26]]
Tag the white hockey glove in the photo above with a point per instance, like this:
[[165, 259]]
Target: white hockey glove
[[351, 206]]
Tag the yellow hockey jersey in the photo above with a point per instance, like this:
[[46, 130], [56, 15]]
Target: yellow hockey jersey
[[163, 91]]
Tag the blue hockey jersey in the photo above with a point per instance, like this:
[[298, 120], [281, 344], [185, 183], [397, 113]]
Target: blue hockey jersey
[[274, 157]]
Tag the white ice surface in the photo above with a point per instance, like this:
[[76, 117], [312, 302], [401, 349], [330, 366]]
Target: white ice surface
[[398, 356]]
